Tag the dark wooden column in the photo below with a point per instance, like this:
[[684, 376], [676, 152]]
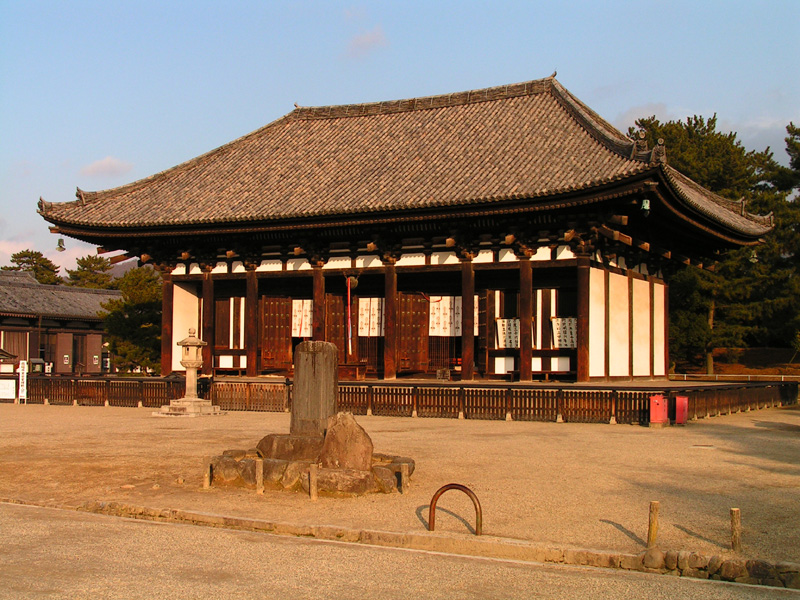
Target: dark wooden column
[[167, 343], [390, 320], [467, 319], [318, 317], [208, 323], [251, 322], [583, 319], [525, 319]]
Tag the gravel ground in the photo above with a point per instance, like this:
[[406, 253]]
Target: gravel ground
[[569, 485]]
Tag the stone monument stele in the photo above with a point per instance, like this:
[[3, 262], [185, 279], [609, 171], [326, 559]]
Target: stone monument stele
[[190, 405], [316, 388]]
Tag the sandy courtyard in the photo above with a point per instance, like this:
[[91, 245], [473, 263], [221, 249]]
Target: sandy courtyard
[[570, 485]]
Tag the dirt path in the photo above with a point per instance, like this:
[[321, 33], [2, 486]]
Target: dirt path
[[564, 484]]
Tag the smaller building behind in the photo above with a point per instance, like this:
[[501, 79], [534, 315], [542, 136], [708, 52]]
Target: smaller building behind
[[56, 328]]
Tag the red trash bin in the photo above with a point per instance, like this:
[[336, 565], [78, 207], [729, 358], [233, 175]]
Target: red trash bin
[[658, 411], [681, 410]]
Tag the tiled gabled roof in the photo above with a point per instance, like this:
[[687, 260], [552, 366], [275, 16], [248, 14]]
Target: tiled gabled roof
[[523, 141], [22, 296]]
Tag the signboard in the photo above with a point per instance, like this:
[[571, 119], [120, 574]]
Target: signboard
[[301, 318], [23, 380], [507, 333], [8, 389], [370, 317], [565, 332]]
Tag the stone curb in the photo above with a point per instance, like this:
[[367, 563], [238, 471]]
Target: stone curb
[[673, 562]]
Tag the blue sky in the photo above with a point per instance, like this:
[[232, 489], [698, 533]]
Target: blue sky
[[98, 94]]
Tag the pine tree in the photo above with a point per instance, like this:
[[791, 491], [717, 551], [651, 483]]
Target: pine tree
[[92, 272], [33, 261], [133, 322], [753, 298]]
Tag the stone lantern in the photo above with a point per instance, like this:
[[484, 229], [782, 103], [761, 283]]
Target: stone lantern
[[190, 405]]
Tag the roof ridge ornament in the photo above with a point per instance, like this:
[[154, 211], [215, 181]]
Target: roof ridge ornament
[[80, 195], [639, 144], [659, 154]]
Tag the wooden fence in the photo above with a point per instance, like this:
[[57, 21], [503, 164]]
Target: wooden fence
[[520, 402]]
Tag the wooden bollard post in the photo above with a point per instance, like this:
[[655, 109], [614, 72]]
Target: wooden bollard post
[[736, 530], [652, 529], [259, 476], [313, 473], [206, 473], [404, 478]]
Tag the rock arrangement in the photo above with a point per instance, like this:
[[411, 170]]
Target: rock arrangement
[[701, 566], [347, 465]]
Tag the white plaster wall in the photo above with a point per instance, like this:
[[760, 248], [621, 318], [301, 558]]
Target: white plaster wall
[[659, 333], [597, 323], [619, 364], [503, 364], [297, 264], [238, 267], [220, 267], [180, 269], [564, 252], [641, 328], [338, 262], [270, 265], [542, 253], [484, 256], [444, 258], [371, 260], [185, 315], [506, 255], [411, 259]]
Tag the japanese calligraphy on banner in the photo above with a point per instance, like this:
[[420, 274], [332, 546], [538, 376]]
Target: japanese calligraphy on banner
[[301, 318], [445, 316], [565, 332], [507, 332], [370, 317]]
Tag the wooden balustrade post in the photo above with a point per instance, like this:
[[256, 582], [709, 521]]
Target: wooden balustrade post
[[560, 405], [461, 401], [414, 401], [509, 417], [370, 399], [613, 419], [652, 529], [736, 530]]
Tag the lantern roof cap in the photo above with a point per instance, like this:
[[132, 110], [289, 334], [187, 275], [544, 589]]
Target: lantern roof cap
[[192, 340]]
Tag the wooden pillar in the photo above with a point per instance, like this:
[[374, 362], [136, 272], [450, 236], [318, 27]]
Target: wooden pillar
[[318, 318], [583, 320], [467, 319], [251, 322], [390, 321], [525, 319], [167, 297], [666, 330], [208, 323]]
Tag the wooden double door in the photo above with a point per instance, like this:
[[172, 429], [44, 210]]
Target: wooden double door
[[277, 342]]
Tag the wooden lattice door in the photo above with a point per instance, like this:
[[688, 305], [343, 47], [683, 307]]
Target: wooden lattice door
[[276, 333], [412, 330]]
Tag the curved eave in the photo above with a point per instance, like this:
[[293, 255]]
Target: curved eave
[[713, 214], [515, 204]]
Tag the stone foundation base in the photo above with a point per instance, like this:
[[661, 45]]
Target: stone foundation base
[[189, 407]]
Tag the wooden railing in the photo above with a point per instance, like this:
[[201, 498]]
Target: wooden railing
[[573, 403]]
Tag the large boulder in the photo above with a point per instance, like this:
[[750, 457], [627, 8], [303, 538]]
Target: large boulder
[[290, 447], [225, 471], [346, 446]]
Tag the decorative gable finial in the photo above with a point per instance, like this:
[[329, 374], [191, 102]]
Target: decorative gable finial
[[80, 196], [659, 155]]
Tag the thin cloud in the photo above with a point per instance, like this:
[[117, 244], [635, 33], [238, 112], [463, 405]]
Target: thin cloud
[[366, 43], [628, 118], [106, 167]]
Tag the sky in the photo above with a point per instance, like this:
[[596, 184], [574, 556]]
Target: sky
[[98, 94]]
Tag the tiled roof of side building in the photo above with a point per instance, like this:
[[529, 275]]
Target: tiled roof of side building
[[25, 297], [522, 141]]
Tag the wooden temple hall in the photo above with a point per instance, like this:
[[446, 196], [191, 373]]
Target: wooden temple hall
[[507, 232]]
